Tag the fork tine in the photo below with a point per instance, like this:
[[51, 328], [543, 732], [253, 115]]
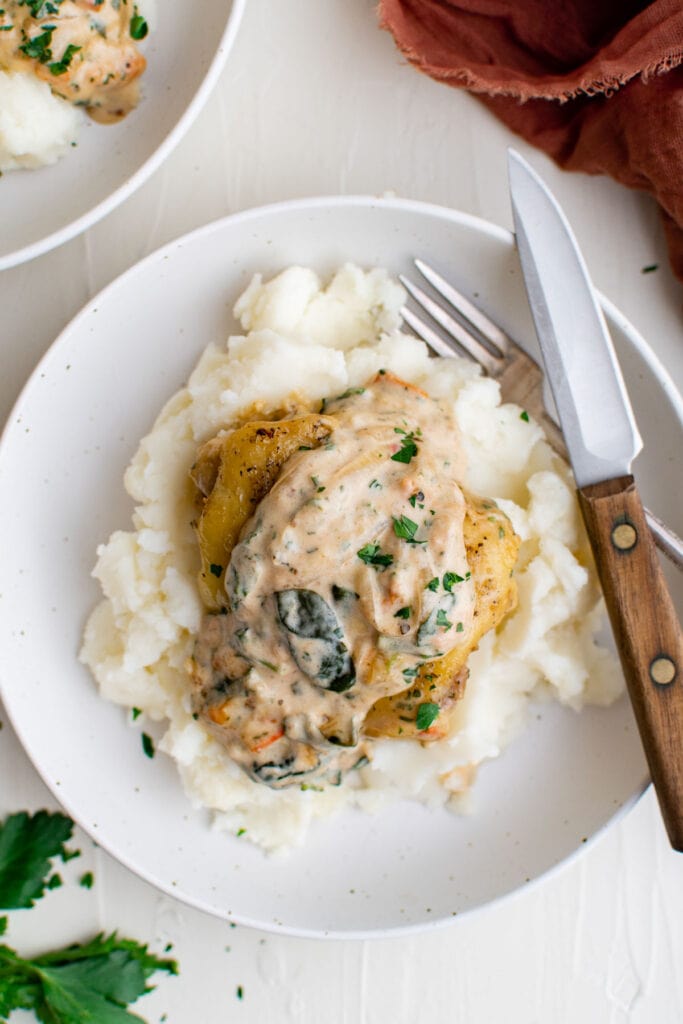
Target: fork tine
[[492, 364], [434, 340], [492, 332]]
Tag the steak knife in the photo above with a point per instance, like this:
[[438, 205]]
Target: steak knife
[[602, 438]]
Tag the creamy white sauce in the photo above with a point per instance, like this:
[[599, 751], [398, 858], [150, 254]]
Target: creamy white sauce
[[371, 522]]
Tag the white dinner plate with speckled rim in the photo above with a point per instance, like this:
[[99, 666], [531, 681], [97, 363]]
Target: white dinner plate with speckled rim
[[185, 53], [62, 459]]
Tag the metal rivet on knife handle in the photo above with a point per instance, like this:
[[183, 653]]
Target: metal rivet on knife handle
[[624, 536], [662, 670]]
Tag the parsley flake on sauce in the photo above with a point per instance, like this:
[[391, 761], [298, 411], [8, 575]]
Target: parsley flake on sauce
[[408, 449], [433, 584], [60, 67], [403, 613], [371, 555], [138, 26], [450, 579], [427, 714], [405, 529], [38, 48]]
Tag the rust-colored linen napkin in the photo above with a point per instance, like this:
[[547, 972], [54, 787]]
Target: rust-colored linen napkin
[[594, 83]]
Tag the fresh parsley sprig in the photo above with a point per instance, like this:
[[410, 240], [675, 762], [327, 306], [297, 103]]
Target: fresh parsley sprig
[[28, 843], [87, 983], [93, 982]]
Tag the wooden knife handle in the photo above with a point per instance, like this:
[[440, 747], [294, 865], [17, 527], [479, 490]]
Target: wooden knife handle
[[647, 632]]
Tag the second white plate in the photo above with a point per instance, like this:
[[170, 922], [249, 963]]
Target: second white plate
[[185, 54]]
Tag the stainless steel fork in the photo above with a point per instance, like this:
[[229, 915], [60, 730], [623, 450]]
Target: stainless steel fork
[[520, 376]]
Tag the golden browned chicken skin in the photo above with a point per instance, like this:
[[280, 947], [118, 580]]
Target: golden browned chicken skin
[[348, 578]]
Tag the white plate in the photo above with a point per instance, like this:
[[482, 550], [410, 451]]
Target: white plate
[[66, 446], [185, 54]]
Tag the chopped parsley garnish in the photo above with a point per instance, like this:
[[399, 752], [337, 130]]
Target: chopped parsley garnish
[[216, 570], [135, 712], [524, 415], [408, 449], [650, 268], [427, 714], [403, 613], [38, 48], [415, 498], [406, 529], [240, 832], [371, 555], [39, 8], [87, 880], [459, 628], [148, 745], [410, 673], [138, 26], [60, 67], [433, 585], [450, 579], [375, 485], [443, 620]]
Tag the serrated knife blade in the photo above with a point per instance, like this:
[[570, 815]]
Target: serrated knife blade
[[602, 439]]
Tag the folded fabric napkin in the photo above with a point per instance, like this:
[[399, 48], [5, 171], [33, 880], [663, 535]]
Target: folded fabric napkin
[[594, 83]]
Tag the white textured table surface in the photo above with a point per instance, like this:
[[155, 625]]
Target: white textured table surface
[[315, 100]]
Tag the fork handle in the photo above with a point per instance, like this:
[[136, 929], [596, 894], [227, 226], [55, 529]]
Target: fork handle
[[647, 633]]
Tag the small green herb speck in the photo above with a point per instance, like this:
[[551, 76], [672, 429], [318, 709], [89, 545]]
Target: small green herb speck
[[138, 27], [403, 613], [427, 714], [451, 578], [650, 268], [371, 555], [408, 449], [216, 570], [524, 415], [87, 880], [405, 529], [443, 620], [433, 585], [148, 745]]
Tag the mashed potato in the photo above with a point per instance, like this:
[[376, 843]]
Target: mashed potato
[[36, 127], [300, 337]]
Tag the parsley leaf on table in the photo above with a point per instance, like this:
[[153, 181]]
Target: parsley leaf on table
[[81, 984], [88, 983], [27, 844]]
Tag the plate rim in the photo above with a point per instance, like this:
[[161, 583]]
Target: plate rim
[[159, 255], [149, 166]]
